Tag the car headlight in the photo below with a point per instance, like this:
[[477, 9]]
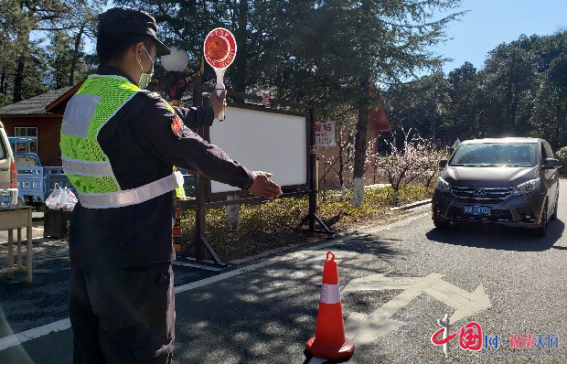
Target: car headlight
[[527, 188], [443, 186]]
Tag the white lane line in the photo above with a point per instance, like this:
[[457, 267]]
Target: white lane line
[[65, 324], [213, 279], [14, 340], [196, 265]]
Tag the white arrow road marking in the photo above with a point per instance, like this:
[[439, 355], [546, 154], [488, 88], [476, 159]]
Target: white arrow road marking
[[364, 331], [362, 328], [466, 304], [379, 322], [379, 282]]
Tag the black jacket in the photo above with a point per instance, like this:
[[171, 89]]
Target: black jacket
[[142, 148]]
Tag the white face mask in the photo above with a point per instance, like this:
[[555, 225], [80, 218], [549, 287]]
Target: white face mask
[[145, 78]]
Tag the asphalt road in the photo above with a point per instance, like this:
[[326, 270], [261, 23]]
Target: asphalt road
[[397, 281]]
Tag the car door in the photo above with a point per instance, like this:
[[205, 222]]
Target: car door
[[5, 159]]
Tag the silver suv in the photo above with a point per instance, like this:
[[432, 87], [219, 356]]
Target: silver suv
[[8, 172], [508, 181]]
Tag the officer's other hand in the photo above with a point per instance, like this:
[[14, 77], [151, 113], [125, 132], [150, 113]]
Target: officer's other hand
[[264, 187], [218, 102]]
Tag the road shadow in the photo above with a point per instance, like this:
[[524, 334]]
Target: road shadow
[[267, 315], [498, 237], [26, 305], [384, 249]]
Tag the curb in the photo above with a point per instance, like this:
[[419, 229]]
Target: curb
[[413, 205]]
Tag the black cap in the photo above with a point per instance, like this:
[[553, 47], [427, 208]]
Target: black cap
[[121, 20]]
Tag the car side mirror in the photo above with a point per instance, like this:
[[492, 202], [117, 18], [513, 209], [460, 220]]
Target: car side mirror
[[442, 163], [552, 163]]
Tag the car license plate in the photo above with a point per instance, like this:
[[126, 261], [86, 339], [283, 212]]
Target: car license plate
[[477, 210]]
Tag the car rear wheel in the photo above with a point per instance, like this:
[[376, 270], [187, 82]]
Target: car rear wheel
[[541, 230], [441, 224]]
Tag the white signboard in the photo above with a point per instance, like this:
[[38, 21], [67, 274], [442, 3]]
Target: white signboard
[[325, 134], [265, 141]]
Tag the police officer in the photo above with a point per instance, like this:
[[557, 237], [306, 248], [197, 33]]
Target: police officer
[[119, 144]]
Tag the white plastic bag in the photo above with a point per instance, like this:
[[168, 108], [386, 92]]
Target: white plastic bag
[[53, 199], [70, 200], [61, 199]]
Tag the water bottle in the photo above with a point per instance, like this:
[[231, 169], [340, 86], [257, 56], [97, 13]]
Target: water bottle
[[4, 199]]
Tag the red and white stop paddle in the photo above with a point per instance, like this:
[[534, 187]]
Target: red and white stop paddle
[[220, 49]]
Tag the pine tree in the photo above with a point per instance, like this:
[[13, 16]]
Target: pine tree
[[330, 51]]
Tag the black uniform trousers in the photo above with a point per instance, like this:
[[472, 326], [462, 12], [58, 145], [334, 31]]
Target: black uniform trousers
[[123, 316]]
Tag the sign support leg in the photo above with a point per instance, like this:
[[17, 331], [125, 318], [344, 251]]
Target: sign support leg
[[313, 215], [200, 246]]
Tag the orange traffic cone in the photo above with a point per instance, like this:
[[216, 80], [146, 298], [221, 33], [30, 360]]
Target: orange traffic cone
[[330, 342]]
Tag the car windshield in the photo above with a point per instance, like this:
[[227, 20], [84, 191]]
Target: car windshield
[[495, 154]]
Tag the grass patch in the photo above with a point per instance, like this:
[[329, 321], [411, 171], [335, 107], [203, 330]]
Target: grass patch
[[275, 224]]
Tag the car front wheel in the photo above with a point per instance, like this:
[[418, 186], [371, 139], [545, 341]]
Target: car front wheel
[[541, 230]]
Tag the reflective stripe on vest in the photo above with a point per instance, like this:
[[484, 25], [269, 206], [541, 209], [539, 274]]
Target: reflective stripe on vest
[[139, 195], [87, 168], [84, 162]]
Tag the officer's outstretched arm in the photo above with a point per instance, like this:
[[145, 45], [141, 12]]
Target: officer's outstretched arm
[[172, 142], [178, 145]]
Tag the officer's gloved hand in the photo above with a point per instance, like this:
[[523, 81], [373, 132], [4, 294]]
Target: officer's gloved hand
[[218, 102], [264, 187]]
